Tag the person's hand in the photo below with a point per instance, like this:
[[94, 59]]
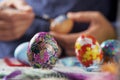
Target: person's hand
[[67, 41], [99, 27], [15, 18]]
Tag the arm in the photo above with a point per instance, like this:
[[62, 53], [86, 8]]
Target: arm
[[99, 27]]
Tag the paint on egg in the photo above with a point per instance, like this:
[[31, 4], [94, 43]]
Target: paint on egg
[[42, 51], [88, 51]]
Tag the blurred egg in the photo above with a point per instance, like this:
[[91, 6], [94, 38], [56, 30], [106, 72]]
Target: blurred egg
[[116, 58], [61, 24], [42, 51], [88, 51], [109, 67], [20, 53], [110, 49]]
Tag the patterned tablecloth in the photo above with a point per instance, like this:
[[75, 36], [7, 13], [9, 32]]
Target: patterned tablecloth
[[61, 71]]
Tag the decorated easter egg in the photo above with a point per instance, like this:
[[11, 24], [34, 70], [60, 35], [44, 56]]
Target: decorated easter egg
[[20, 52], [61, 24], [111, 49], [42, 51], [88, 51]]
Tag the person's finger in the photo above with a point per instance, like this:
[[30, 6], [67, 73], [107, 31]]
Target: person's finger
[[16, 4], [58, 37], [71, 52], [22, 5], [15, 15], [14, 33], [7, 38], [5, 25], [5, 34], [66, 40], [3, 4], [19, 29], [87, 16], [9, 13]]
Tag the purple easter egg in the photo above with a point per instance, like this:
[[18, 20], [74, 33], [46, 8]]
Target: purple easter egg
[[42, 50]]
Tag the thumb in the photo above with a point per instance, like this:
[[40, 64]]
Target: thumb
[[65, 38], [17, 4], [87, 16], [21, 5], [58, 37]]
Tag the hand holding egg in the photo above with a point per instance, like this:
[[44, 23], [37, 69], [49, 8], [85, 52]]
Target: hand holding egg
[[61, 24]]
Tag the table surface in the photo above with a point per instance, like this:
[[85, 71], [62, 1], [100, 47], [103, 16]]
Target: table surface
[[58, 67], [71, 71]]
